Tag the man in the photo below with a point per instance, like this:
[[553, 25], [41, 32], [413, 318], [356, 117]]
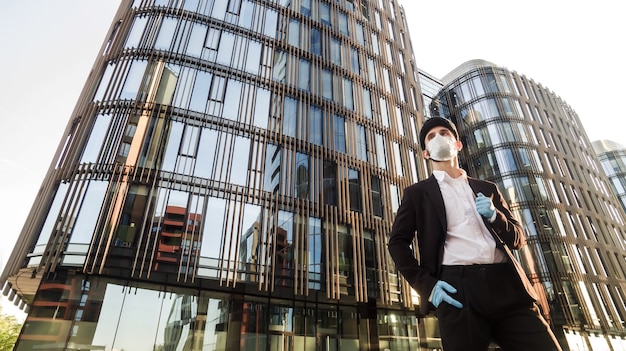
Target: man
[[464, 232]]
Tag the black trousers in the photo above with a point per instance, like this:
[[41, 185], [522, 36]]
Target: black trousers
[[495, 308]]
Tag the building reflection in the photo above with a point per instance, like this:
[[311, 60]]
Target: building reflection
[[103, 314]]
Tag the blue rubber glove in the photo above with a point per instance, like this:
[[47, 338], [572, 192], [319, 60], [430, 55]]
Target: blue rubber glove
[[485, 207], [440, 293]]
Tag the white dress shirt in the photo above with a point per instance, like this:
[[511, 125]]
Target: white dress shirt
[[468, 241]]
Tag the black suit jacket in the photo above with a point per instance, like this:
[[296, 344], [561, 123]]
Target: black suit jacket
[[422, 214]]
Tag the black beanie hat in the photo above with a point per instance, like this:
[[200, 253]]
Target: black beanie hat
[[436, 122]]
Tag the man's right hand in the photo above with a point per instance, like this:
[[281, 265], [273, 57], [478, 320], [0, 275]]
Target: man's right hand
[[440, 293]]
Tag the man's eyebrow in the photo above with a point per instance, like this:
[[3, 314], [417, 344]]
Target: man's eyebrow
[[431, 132]]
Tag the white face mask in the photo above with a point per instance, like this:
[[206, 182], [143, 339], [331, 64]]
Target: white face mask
[[442, 148]]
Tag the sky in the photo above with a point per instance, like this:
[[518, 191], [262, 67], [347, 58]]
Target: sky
[[572, 47]]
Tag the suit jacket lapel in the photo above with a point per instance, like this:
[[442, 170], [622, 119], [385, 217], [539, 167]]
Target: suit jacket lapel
[[474, 185], [433, 191]]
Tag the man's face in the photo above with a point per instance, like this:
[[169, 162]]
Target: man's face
[[441, 131]]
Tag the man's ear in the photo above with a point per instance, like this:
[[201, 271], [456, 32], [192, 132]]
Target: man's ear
[[459, 145], [426, 154]]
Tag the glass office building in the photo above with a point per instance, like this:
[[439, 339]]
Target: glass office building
[[522, 136], [612, 157], [430, 86], [227, 181]]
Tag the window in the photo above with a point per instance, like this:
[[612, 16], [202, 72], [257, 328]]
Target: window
[[340, 134], [283, 235], [271, 18], [324, 13], [133, 39], [364, 9], [375, 45], [348, 99], [505, 160], [387, 80], [238, 169], [345, 251], [398, 159], [305, 8], [133, 80], [253, 56], [367, 103], [401, 91], [354, 189], [206, 153], [233, 96], [211, 44], [330, 183], [315, 254], [327, 84], [302, 176], [380, 151], [343, 23], [384, 112], [200, 91], [389, 53], [130, 220], [361, 142], [96, 139], [226, 48], [124, 150], [399, 121], [189, 141], [280, 66], [290, 116], [196, 40], [304, 75], [316, 42], [335, 51], [360, 34], [371, 266], [354, 60], [166, 33], [294, 32], [371, 71], [315, 126], [85, 221], [216, 95], [272, 174], [377, 202], [262, 107]]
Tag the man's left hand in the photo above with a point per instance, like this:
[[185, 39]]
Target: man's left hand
[[485, 207]]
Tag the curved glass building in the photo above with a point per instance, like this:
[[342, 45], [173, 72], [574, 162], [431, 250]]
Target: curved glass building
[[612, 157], [227, 181], [522, 136]]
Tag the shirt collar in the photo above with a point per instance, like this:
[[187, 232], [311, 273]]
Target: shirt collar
[[442, 176]]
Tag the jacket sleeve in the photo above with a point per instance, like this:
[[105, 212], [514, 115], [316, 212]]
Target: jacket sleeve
[[401, 250], [505, 225]]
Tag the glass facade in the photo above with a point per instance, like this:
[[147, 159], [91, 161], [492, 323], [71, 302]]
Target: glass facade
[[531, 143], [612, 157], [81, 312], [227, 182], [430, 88]]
